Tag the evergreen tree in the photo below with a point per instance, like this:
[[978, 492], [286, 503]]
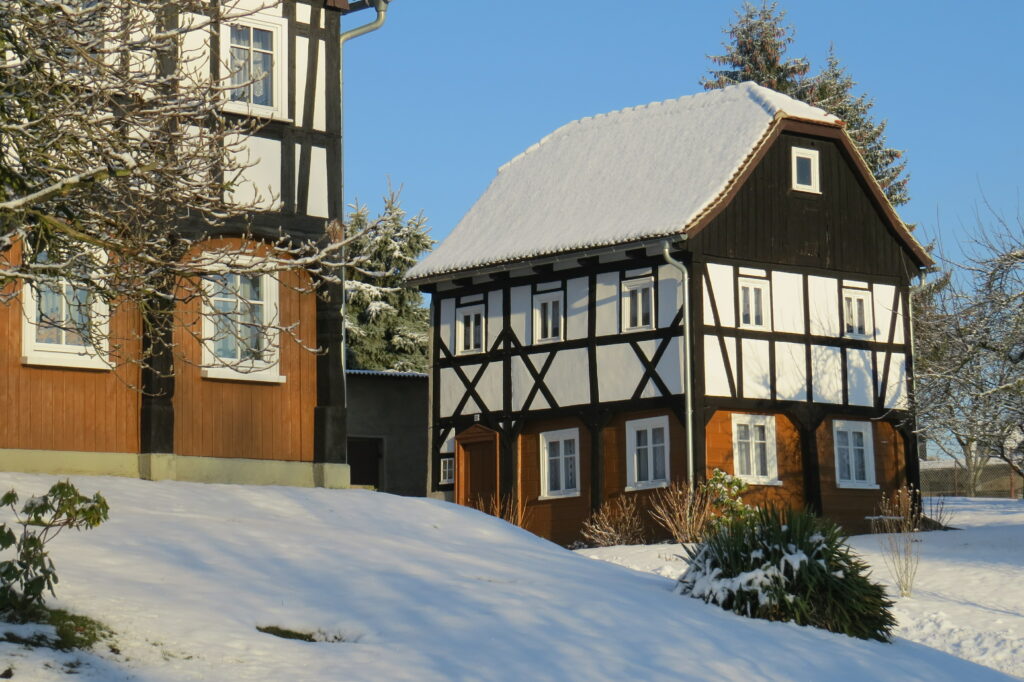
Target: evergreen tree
[[758, 41], [387, 325]]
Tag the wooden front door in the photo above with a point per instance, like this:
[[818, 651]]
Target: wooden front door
[[476, 467]]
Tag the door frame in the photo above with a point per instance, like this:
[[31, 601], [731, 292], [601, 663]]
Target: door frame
[[474, 435]]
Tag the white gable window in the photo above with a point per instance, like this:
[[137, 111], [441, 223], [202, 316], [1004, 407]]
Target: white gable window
[[255, 64], [855, 454], [806, 174], [638, 304], [65, 324], [239, 341], [469, 329], [647, 449], [753, 448], [755, 304], [559, 463], [857, 321], [447, 471], [548, 311]]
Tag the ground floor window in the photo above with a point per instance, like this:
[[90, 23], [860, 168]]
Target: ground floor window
[[855, 455], [647, 452], [753, 448], [447, 471], [559, 463]]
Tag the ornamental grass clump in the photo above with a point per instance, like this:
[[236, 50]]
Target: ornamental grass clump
[[788, 566]]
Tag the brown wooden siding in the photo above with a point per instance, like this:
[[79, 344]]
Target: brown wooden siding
[[787, 443], [850, 506], [224, 418], [59, 408]]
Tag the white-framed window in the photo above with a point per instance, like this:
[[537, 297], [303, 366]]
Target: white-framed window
[[255, 61], [65, 325], [560, 463], [447, 476], [806, 173], [548, 317], [857, 319], [469, 329], [647, 450], [754, 455], [638, 304], [855, 454], [755, 304], [239, 318]]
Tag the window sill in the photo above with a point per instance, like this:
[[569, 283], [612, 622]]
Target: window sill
[[852, 485], [566, 496], [227, 374], [463, 353], [806, 190], [62, 359], [541, 342], [760, 481], [256, 111], [645, 328], [646, 486]]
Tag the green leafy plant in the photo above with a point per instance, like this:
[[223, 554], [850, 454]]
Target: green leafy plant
[[26, 578], [788, 566]]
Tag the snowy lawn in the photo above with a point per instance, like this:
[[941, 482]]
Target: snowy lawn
[[968, 598], [418, 589]]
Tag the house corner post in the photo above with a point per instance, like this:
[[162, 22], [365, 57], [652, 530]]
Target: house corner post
[[156, 410], [330, 428]]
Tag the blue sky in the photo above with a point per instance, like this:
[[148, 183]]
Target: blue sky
[[446, 92]]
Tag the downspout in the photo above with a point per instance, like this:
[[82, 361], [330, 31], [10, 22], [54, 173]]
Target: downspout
[[688, 364], [382, 15]]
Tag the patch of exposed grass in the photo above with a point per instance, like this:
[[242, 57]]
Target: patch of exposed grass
[[73, 631], [318, 636]]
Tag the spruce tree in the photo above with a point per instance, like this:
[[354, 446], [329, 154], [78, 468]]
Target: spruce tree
[[387, 325]]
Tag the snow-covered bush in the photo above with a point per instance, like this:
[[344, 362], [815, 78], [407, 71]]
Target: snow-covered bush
[[617, 522], [789, 566]]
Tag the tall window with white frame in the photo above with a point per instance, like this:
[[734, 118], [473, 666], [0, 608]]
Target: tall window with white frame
[[854, 452], [239, 327], [857, 321], [447, 473], [469, 329], [637, 304], [559, 463], [806, 172], [255, 64], [754, 450], [754, 301], [547, 317], [647, 451]]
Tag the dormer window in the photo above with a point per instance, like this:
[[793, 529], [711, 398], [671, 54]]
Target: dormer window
[[806, 174]]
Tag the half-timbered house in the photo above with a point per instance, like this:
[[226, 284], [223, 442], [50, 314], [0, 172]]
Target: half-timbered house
[[644, 296], [282, 419]]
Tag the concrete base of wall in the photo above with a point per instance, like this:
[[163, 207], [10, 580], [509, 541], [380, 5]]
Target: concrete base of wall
[[160, 467]]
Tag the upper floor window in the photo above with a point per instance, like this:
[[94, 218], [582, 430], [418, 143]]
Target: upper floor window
[[255, 58], [857, 320], [559, 463], [547, 317], [469, 329], [638, 304], [647, 453], [855, 456], [240, 339], [753, 448], [806, 173], [754, 304]]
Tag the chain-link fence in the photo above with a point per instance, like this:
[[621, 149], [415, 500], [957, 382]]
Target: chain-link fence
[[997, 479]]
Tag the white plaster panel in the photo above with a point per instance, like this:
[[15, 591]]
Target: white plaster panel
[[576, 308], [489, 387], [448, 446], [896, 391], [788, 302], [316, 204], [858, 377], [569, 377], [725, 299], [260, 182], [670, 367], [301, 70], [539, 401], [898, 336], [495, 320], [790, 371], [522, 382], [521, 314], [823, 298], [650, 389], [195, 47], [716, 380], [451, 391], [883, 310], [618, 372], [670, 294], [447, 331], [756, 369], [827, 372], [302, 13], [607, 312]]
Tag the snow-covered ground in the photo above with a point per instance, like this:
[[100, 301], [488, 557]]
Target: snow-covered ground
[[968, 598], [419, 589]]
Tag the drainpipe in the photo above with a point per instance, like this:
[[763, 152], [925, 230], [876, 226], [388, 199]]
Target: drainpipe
[[382, 14], [688, 364]]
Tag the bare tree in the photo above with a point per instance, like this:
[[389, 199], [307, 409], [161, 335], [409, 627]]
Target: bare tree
[[118, 162]]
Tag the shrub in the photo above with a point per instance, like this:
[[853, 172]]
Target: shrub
[[725, 491], [688, 514], [617, 522], [899, 518], [788, 566], [25, 579], [507, 507]]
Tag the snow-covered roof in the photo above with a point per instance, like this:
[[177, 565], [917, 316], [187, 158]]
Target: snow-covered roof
[[630, 175]]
